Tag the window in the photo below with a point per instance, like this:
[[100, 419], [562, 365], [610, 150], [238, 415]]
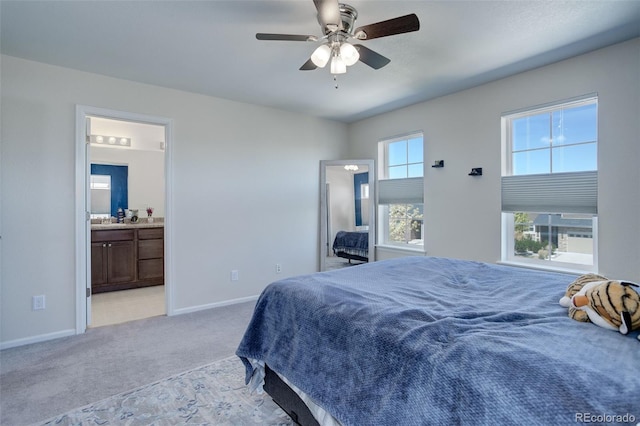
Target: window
[[405, 158], [100, 186], [364, 191], [549, 185], [400, 191], [100, 182]]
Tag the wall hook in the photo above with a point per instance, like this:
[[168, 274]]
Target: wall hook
[[476, 171], [439, 163]]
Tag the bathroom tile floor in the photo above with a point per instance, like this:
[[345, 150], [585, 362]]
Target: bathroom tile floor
[[116, 307]]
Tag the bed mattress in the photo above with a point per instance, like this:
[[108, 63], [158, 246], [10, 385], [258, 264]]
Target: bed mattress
[[427, 340]]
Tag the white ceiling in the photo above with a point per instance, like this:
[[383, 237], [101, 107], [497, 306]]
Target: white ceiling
[[209, 47]]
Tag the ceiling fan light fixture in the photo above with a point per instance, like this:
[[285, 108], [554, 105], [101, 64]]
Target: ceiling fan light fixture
[[338, 66], [337, 21], [321, 56], [349, 54]]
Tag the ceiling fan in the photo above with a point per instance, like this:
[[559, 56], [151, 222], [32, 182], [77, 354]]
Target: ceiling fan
[[337, 21]]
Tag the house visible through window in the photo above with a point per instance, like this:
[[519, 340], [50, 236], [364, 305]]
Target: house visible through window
[[400, 191], [549, 185]]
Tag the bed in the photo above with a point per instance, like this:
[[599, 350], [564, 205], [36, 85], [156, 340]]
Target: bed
[[352, 245], [427, 340]]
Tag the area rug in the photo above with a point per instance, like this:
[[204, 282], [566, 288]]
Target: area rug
[[214, 394]]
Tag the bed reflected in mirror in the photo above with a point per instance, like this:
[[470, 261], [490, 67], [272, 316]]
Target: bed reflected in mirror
[[347, 213]]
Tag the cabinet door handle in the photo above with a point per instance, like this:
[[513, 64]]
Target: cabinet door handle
[[109, 244], [104, 244]]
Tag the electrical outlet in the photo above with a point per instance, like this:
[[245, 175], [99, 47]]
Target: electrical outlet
[[37, 302], [234, 275], [278, 268]]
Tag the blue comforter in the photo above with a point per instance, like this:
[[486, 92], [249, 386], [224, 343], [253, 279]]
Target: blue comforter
[[424, 340], [352, 243]]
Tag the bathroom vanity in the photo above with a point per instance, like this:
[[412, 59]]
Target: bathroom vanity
[[126, 255]]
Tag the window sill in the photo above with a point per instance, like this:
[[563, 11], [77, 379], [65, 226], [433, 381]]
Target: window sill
[[402, 249], [558, 269]]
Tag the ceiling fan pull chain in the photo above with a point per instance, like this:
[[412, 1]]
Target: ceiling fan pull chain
[[335, 80]]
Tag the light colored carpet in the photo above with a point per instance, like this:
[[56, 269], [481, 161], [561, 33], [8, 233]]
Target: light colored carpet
[[214, 394], [44, 379], [334, 262]]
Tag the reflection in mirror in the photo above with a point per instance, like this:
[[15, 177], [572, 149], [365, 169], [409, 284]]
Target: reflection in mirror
[[347, 219], [118, 188], [100, 196]]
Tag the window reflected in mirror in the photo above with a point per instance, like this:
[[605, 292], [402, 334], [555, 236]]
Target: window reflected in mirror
[[100, 196]]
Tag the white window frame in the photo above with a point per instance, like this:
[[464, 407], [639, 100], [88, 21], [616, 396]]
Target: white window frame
[[383, 209], [508, 219]]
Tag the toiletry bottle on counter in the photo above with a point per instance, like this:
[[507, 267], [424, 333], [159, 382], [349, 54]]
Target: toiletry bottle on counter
[[120, 215]]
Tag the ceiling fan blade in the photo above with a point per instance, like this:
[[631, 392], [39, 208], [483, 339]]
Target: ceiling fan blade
[[328, 15], [371, 58], [399, 25], [286, 37], [308, 66]]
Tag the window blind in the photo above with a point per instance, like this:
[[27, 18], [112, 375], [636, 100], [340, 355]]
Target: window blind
[[575, 192], [401, 191]]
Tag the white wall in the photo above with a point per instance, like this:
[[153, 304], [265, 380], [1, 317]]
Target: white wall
[[462, 213], [245, 191]]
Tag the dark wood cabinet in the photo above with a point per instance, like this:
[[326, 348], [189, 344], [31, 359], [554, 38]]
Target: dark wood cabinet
[[151, 255], [121, 265], [126, 258], [98, 265]]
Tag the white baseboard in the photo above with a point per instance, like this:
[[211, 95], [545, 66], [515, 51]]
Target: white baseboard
[[214, 305], [37, 339], [72, 332]]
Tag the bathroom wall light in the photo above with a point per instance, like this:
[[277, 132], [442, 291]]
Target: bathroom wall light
[[351, 167], [110, 140]]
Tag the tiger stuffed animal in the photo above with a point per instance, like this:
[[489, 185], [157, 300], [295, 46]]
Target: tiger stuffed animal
[[574, 288], [614, 305]]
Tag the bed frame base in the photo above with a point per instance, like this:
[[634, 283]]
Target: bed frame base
[[351, 256], [287, 399]]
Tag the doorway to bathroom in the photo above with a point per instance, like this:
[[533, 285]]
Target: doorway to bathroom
[[123, 249], [135, 170]]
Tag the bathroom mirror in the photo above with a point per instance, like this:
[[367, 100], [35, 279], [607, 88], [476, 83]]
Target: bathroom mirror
[[347, 213], [109, 189]]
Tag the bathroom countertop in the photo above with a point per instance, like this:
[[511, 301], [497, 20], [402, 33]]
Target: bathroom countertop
[[128, 225]]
